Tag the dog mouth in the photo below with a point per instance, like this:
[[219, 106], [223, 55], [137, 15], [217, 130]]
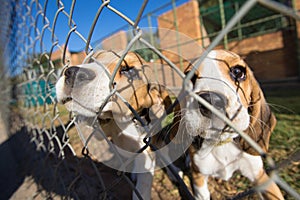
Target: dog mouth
[[66, 100], [77, 107]]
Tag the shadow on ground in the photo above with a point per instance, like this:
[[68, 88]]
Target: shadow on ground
[[72, 177]]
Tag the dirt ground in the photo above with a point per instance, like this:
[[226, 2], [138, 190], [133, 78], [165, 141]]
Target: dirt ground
[[287, 161]]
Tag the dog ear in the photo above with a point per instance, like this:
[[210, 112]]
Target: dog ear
[[160, 101], [262, 120], [153, 97], [196, 74]]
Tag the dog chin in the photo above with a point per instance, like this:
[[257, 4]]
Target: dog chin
[[210, 134], [217, 135], [79, 110]]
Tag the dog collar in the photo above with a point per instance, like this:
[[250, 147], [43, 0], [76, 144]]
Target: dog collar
[[198, 141], [220, 143]]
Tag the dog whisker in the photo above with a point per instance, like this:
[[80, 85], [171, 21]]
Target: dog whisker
[[280, 108]]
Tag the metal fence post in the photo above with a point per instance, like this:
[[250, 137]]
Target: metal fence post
[[239, 29], [177, 34], [201, 29], [223, 22]]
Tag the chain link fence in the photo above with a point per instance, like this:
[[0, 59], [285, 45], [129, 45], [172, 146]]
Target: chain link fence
[[57, 157]]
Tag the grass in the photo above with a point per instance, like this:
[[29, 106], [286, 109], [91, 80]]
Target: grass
[[285, 104], [285, 140], [284, 147], [48, 116]]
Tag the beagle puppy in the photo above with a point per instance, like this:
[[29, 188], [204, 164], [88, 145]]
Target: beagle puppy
[[87, 90], [225, 81]]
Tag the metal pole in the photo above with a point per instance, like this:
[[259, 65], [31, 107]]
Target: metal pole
[[239, 29], [223, 22], [177, 34], [152, 43], [150, 32], [201, 30]]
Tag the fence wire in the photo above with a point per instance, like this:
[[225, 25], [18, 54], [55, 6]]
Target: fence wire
[[53, 146]]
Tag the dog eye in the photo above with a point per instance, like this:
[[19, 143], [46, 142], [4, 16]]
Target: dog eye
[[238, 73], [130, 72], [125, 68]]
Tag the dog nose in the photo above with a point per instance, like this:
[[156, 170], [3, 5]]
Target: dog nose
[[75, 75], [215, 99]]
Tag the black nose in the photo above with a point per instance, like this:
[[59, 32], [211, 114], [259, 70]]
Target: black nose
[[75, 76], [217, 100]]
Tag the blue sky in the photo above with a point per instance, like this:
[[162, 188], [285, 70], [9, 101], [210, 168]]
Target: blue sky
[[84, 14]]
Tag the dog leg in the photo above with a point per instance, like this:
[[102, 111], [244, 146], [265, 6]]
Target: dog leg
[[271, 191], [144, 166], [200, 187], [252, 168], [143, 185]]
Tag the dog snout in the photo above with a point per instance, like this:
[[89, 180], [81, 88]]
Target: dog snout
[[75, 75], [217, 100]]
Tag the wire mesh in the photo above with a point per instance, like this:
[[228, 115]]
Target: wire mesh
[[57, 146]]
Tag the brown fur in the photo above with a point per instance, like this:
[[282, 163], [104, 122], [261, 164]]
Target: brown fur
[[262, 121]]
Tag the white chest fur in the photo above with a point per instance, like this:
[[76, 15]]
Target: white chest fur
[[222, 160]]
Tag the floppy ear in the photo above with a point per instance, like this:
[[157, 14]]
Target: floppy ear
[[153, 97], [196, 74], [161, 101], [262, 120]]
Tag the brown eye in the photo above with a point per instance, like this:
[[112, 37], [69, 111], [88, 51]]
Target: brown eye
[[238, 73]]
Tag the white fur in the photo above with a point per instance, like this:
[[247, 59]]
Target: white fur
[[202, 193], [213, 80], [223, 160], [218, 156], [87, 99]]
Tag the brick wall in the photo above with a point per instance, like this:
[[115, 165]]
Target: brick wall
[[267, 42], [297, 7], [116, 42], [185, 20], [77, 58], [272, 56]]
